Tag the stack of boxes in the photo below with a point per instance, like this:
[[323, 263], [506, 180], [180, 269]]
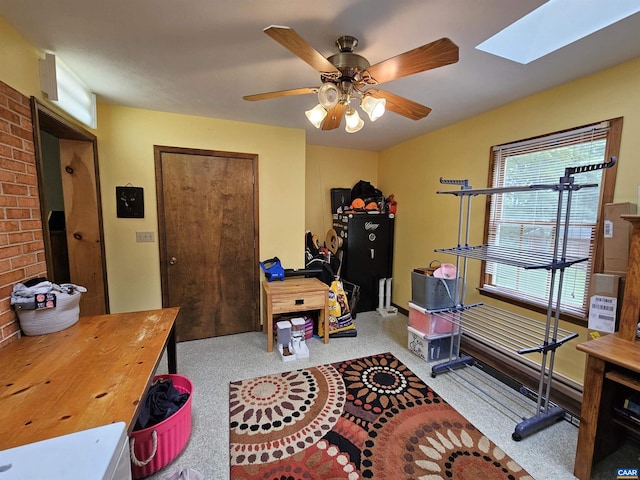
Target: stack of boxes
[[432, 331], [606, 288]]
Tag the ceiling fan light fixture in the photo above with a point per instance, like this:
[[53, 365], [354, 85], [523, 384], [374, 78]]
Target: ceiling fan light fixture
[[374, 107], [316, 115], [353, 121], [328, 95]]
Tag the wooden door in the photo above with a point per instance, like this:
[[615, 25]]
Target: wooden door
[[84, 242], [208, 237], [76, 252]]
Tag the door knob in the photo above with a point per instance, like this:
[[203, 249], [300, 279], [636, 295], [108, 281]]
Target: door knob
[[173, 261]]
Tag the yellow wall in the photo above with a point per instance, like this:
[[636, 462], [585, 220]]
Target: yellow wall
[[426, 221], [18, 61], [126, 137], [329, 168]]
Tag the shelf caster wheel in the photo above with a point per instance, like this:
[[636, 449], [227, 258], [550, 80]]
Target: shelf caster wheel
[[516, 437]]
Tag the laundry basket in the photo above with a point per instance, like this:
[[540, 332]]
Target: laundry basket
[[155, 447], [63, 313]]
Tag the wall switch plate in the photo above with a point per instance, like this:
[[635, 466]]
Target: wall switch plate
[[145, 237]]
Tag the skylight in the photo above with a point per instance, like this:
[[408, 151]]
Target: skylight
[[554, 25]]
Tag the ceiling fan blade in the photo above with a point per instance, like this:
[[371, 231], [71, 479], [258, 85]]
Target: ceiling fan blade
[[289, 39], [334, 117], [281, 93], [432, 55], [400, 105]]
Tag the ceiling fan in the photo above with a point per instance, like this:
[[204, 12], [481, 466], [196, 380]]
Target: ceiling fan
[[347, 76]]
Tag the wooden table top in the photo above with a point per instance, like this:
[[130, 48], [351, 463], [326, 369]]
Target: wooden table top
[[294, 285], [613, 349], [93, 373]]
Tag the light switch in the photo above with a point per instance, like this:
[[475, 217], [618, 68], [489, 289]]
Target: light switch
[[145, 237]]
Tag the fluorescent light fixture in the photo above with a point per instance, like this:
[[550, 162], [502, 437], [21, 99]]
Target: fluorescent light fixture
[[66, 90], [554, 25]]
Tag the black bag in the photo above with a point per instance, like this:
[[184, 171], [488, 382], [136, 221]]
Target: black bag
[[366, 191]]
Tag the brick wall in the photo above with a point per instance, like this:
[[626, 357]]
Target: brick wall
[[21, 245]]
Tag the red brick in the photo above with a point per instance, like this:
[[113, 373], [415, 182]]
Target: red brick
[[28, 146], [4, 239], [8, 139], [5, 126], [10, 251], [5, 151], [6, 176], [18, 213], [5, 293], [29, 202], [23, 156], [9, 226], [37, 246], [14, 189], [9, 116], [12, 94], [30, 225], [23, 261], [5, 266], [22, 133], [36, 270], [8, 164], [7, 201], [24, 179], [20, 237], [19, 108], [9, 278]]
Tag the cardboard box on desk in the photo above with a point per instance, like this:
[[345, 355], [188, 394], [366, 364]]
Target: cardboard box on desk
[[605, 294], [617, 237]]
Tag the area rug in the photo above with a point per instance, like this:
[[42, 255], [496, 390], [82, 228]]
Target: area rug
[[370, 417]]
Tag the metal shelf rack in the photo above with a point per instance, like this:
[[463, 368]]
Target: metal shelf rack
[[506, 330]]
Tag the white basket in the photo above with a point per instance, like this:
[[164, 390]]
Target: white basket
[[50, 320]]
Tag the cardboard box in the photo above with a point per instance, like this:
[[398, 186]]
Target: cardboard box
[[617, 237], [431, 348], [604, 293]]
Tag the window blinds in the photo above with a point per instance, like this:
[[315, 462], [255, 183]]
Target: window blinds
[[527, 220]]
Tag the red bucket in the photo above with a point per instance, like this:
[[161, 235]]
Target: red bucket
[[155, 447]]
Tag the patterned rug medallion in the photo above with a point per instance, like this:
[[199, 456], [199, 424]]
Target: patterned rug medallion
[[369, 417]]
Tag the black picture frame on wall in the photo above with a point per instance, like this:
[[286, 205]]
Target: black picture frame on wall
[[129, 202]]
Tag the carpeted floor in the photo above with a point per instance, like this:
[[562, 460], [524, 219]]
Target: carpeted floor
[[370, 417], [211, 365]]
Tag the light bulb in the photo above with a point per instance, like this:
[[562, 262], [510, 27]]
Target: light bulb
[[316, 115], [375, 107], [353, 121]]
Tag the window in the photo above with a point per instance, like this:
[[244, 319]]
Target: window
[[527, 220]]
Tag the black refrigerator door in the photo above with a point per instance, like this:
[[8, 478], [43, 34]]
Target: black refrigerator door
[[369, 255]]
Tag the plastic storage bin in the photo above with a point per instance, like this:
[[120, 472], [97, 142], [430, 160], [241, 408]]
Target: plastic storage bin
[[432, 323], [433, 293], [431, 348], [170, 436]]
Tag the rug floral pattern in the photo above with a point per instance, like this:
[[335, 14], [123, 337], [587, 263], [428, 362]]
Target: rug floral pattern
[[370, 417]]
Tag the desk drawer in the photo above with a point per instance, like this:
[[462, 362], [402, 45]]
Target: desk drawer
[[297, 302]]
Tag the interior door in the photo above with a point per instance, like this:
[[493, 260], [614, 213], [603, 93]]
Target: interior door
[[208, 237], [82, 226], [74, 250]]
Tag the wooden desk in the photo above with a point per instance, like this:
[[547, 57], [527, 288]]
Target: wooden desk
[[88, 375], [612, 368], [292, 295]]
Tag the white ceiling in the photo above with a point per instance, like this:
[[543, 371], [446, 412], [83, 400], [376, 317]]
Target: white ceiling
[[199, 57]]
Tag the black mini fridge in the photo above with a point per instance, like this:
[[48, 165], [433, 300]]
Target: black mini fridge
[[367, 252]]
